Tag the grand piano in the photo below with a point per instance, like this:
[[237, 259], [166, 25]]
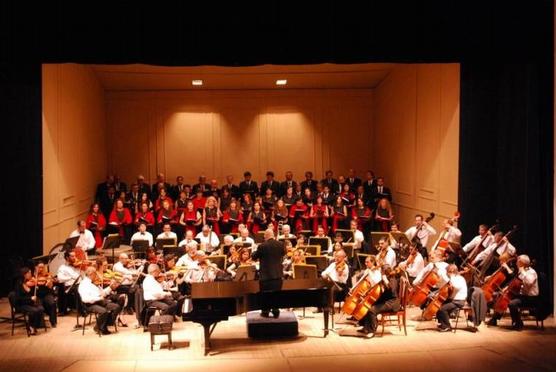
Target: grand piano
[[216, 301]]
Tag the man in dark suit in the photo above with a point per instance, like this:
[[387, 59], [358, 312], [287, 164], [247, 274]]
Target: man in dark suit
[[247, 186], [353, 181], [102, 188], [370, 183], [177, 188], [330, 181], [289, 182], [270, 184], [119, 185], [309, 183], [269, 254], [160, 182], [382, 191], [233, 189], [144, 188], [202, 185]]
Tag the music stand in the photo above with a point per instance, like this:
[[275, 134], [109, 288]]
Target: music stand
[[245, 273], [304, 271], [112, 241], [140, 247], [306, 233], [321, 262], [70, 243], [312, 250], [219, 260], [377, 235], [347, 235], [293, 240], [400, 237], [172, 249], [161, 242], [361, 257], [349, 248], [242, 245], [323, 242]]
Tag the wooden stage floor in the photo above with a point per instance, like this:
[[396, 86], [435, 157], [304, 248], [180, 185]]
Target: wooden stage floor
[[422, 349]]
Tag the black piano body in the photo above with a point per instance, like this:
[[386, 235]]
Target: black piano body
[[216, 301]]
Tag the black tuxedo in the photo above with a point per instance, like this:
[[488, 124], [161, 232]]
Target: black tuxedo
[[102, 191], [145, 188], [270, 254], [312, 185], [175, 191], [234, 190], [134, 200], [332, 184], [353, 183], [275, 187], [154, 190], [284, 186], [120, 186], [384, 194], [251, 188], [206, 191], [369, 188]]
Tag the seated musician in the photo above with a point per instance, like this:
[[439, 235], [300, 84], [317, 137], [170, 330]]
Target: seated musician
[[209, 239], [386, 255], [358, 236], [67, 275], [154, 293], [191, 218], [45, 292], [244, 237], [244, 255], [187, 239], [203, 272], [227, 245], [120, 219], [298, 257], [27, 301], [145, 215], [421, 230], [338, 272], [125, 267], [319, 214], [95, 300], [86, 240], [339, 213], [321, 234], [502, 246], [437, 264], [105, 278], [414, 263], [167, 233], [212, 215], [142, 234], [298, 215], [528, 293], [188, 259], [96, 223], [286, 233], [388, 300], [485, 234], [456, 300], [174, 281]]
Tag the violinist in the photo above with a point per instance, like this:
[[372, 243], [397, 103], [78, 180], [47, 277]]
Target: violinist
[[203, 271], [298, 257], [86, 240], [45, 292], [338, 272], [456, 300], [154, 293], [67, 275], [244, 260], [105, 278], [386, 255], [142, 234], [485, 234], [321, 234], [96, 300], [421, 230], [414, 263], [174, 281], [125, 267], [27, 301], [96, 223], [527, 296], [227, 245], [167, 233], [387, 302], [188, 259]]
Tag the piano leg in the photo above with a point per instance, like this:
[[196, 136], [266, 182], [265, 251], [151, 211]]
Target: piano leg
[[208, 328], [326, 314]]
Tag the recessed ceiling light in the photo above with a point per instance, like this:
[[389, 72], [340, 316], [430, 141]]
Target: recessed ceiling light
[[281, 82], [197, 82]]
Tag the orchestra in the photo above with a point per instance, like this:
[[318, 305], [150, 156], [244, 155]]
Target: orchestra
[[220, 225]]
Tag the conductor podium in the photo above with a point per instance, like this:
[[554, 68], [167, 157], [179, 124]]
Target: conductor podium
[[269, 327]]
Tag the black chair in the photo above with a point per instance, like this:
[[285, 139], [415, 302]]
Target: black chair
[[18, 316], [83, 312]]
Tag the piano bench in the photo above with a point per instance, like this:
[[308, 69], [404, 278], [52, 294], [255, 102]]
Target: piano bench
[[161, 325], [283, 326]]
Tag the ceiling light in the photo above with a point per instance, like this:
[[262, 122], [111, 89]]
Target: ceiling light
[[197, 82], [281, 82]]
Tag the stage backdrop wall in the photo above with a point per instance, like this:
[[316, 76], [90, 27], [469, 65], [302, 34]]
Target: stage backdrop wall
[[74, 146], [416, 139], [227, 132]]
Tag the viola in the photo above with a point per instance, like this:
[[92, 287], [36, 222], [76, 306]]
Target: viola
[[436, 303]]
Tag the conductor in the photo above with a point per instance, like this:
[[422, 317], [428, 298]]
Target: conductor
[[269, 254]]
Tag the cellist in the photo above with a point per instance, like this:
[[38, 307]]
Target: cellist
[[485, 234], [387, 302], [528, 293], [456, 299], [437, 263]]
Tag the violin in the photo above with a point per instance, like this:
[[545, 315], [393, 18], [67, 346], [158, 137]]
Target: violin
[[436, 303]]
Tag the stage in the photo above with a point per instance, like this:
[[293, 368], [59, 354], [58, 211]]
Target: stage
[[422, 349]]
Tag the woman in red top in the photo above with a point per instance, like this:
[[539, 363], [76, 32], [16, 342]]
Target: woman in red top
[[181, 203], [191, 218], [298, 215], [384, 215], [319, 214], [162, 196], [211, 215], [199, 201], [96, 222], [120, 218], [145, 215], [339, 213], [166, 214], [232, 217], [348, 198], [361, 213], [257, 218]]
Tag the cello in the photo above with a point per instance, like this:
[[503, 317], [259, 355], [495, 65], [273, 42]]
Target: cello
[[487, 262], [496, 280], [420, 292], [436, 303], [508, 293]]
